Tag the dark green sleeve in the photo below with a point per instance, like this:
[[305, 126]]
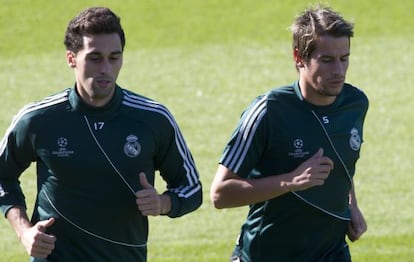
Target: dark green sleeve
[[178, 169], [16, 154]]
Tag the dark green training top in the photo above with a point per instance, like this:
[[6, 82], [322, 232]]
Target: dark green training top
[[88, 164], [278, 132]]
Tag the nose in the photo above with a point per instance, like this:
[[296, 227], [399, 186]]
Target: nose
[[339, 67], [105, 66]]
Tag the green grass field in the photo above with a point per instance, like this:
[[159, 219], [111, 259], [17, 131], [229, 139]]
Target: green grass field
[[206, 60]]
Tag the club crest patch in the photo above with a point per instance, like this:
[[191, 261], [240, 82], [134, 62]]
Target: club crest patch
[[355, 140], [132, 148]]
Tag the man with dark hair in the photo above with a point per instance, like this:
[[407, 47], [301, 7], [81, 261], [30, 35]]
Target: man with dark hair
[[292, 157], [97, 148]]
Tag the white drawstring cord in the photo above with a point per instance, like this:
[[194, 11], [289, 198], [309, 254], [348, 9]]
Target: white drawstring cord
[[343, 164], [107, 157], [88, 232], [123, 179]]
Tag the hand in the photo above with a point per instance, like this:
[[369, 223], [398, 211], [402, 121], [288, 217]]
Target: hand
[[357, 226], [312, 172], [37, 243], [148, 200]]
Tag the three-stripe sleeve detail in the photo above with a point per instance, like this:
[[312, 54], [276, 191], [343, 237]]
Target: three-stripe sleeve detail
[[189, 165], [46, 102], [245, 134]]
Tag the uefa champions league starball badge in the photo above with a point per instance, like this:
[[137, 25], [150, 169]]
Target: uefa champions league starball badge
[[355, 140], [132, 148]]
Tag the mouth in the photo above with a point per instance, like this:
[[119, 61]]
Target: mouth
[[104, 82], [337, 81]]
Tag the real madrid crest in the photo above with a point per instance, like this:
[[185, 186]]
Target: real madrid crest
[[132, 148], [355, 140]]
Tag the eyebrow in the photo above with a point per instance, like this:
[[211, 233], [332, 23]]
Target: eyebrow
[[326, 55], [100, 53]]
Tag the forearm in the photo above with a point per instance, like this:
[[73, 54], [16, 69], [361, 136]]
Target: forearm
[[33, 237], [18, 219], [240, 193], [357, 225], [352, 198], [237, 192], [231, 190]]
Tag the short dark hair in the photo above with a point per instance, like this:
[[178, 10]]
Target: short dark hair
[[94, 20], [315, 22]]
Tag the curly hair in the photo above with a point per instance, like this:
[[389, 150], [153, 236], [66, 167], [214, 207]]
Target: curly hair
[[94, 20]]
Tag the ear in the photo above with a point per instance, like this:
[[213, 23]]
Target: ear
[[297, 58], [71, 59]]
